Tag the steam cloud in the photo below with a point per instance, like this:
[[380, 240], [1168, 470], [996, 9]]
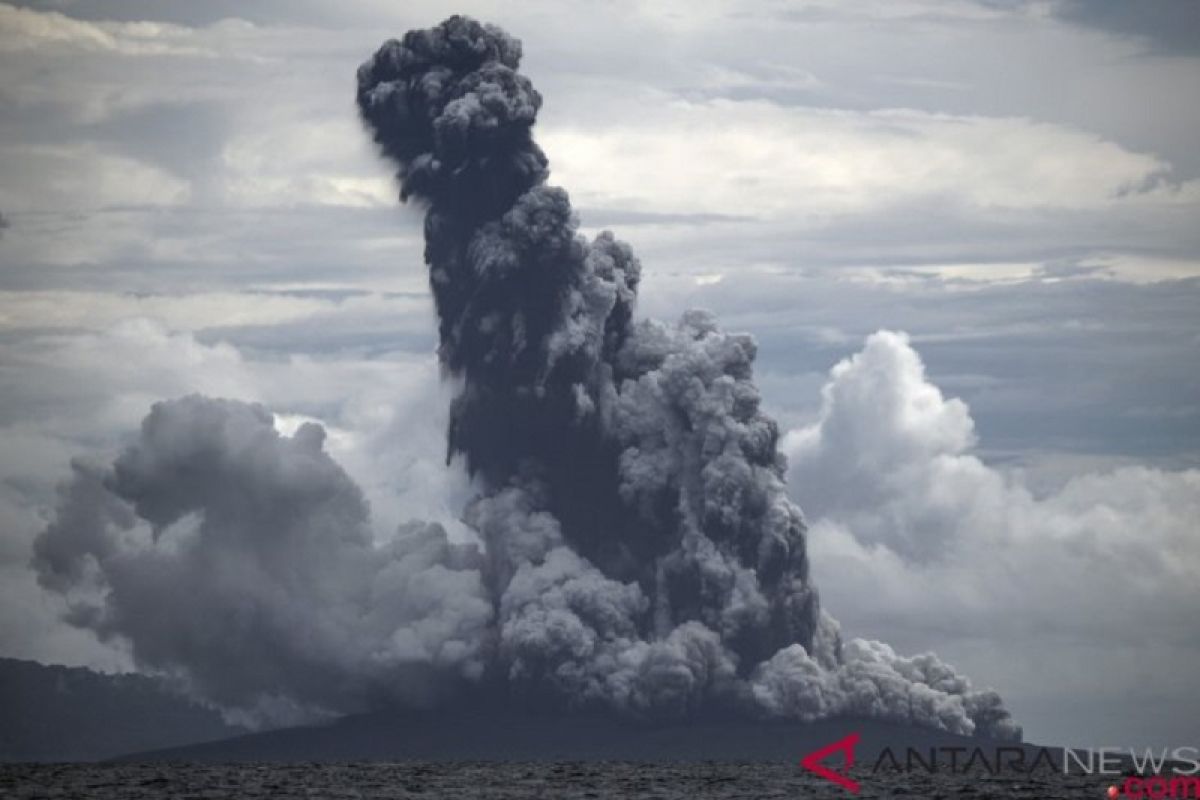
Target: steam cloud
[[636, 550]]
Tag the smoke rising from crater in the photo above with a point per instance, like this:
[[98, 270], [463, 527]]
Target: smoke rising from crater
[[637, 549]]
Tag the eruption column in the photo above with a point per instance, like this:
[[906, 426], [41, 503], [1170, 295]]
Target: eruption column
[[637, 550]]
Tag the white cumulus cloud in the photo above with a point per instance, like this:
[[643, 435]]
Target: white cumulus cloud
[[904, 513]]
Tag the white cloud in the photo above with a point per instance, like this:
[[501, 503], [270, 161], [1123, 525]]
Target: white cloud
[[912, 533], [90, 389], [759, 158], [328, 162], [23, 30]]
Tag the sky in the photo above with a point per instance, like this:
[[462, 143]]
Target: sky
[[964, 235]]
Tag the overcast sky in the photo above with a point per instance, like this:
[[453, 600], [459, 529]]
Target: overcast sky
[[188, 204]]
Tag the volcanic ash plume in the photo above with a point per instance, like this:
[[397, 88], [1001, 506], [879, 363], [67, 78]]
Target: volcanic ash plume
[[242, 561], [637, 550]]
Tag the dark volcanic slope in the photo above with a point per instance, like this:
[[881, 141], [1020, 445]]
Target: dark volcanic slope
[[52, 713], [489, 736]]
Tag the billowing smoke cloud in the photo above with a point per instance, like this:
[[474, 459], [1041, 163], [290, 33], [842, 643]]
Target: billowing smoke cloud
[[636, 551], [215, 546]]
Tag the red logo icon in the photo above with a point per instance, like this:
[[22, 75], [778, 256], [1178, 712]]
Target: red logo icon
[[812, 762]]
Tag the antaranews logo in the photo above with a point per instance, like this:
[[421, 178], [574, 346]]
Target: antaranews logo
[[812, 762], [1149, 780]]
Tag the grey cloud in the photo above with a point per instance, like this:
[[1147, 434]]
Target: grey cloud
[[1170, 27], [139, 10], [164, 251], [898, 236], [599, 217], [186, 138]]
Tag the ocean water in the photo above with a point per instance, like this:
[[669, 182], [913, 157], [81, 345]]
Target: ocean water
[[519, 781]]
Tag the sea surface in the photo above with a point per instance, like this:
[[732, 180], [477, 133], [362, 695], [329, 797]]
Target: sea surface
[[519, 781]]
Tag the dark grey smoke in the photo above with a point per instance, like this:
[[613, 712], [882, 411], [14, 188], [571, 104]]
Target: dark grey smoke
[[645, 442], [637, 550], [643, 445]]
